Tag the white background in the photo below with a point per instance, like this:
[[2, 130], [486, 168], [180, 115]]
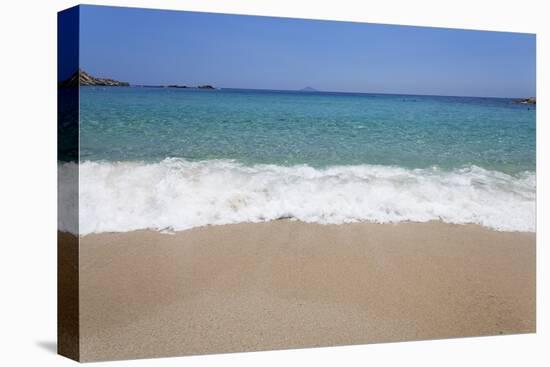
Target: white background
[[28, 181]]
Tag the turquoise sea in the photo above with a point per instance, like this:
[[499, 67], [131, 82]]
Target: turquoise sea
[[318, 129], [173, 159]]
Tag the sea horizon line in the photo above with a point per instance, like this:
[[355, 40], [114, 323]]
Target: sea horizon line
[[170, 86]]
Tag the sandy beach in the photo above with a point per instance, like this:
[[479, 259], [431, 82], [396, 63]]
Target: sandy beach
[[288, 284]]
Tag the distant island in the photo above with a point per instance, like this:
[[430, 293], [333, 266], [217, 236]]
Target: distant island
[[308, 89], [206, 86], [82, 78]]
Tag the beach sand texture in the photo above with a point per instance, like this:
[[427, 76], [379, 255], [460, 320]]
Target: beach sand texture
[[289, 284]]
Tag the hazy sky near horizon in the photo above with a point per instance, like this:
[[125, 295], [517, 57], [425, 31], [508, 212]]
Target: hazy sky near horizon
[[231, 51]]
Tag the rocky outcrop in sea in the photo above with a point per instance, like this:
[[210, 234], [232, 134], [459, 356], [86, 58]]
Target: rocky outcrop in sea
[[531, 100]]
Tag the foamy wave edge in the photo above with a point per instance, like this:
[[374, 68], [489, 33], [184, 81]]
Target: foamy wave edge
[[176, 194]]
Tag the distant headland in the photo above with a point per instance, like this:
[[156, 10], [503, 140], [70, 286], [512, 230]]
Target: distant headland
[[82, 78]]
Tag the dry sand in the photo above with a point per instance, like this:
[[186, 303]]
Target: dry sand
[[287, 284]]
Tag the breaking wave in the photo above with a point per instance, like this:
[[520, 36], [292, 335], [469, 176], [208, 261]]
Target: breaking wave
[[176, 194]]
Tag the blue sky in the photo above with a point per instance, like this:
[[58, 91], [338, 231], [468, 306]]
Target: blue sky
[[231, 51]]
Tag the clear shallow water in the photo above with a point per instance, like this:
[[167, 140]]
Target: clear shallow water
[[176, 159], [318, 129]]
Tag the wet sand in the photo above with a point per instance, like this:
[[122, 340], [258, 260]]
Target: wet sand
[[287, 284]]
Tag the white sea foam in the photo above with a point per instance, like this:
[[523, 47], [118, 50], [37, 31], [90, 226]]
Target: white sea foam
[[176, 194]]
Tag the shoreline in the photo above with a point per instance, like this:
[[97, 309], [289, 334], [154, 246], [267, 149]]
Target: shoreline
[[289, 284], [169, 232]]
